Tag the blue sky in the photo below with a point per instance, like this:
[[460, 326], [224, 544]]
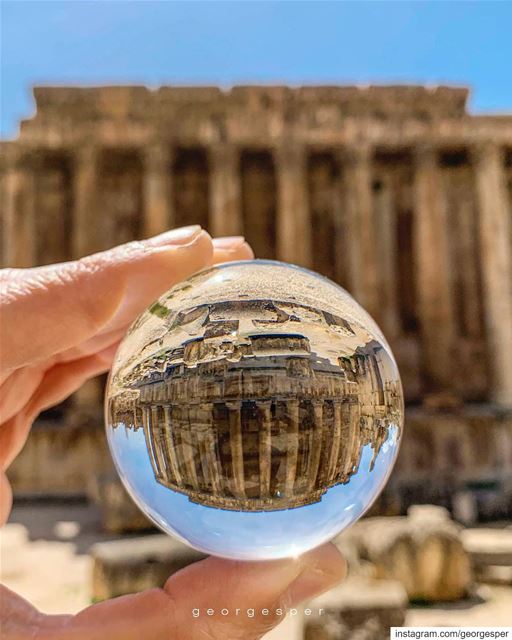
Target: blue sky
[[148, 42]]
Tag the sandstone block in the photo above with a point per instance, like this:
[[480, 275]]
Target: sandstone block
[[359, 607], [423, 551], [59, 460], [489, 546], [494, 574], [131, 565]]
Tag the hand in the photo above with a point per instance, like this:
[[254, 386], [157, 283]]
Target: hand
[[61, 325]]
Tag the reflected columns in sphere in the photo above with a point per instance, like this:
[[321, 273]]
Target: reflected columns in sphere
[[254, 410]]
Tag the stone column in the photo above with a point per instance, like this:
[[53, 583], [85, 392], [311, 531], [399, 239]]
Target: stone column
[[316, 441], [351, 437], [158, 215], [146, 423], [336, 444], [265, 446], [171, 446], [434, 288], [87, 401], [361, 230], [189, 445], [294, 242], [208, 447], [496, 262], [292, 409], [158, 442], [85, 234], [225, 192], [19, 228], [237, 451], [385, 227], [86, 218]]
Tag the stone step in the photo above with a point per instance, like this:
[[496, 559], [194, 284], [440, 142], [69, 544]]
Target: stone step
[[488, 547], [494, 574], [134, 564]]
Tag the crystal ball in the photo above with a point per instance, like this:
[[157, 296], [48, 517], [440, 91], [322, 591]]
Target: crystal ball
[[254, 411]]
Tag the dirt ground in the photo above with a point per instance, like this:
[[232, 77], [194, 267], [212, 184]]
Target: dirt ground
[[44, 558]]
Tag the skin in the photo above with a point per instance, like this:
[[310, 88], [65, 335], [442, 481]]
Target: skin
[[61, 325]]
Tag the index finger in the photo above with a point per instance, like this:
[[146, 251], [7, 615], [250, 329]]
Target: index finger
[[49, 309]]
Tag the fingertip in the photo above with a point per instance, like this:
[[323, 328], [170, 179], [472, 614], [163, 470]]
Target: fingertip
[[179, 236], [242, 251]]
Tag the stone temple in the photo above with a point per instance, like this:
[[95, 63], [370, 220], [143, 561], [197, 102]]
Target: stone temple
[[397, 193]]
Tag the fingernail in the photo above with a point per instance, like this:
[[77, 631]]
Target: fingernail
[[182, 235], [229, 243]]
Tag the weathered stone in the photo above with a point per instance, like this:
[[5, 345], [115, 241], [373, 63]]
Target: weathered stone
[[358, 607], [494, 574], [119, 513], [446, 453], [59, 460], [488, 547], [423, 551], [418, 227], [134, 564]]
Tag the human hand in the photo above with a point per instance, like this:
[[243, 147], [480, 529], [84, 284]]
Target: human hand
[[61, 325]]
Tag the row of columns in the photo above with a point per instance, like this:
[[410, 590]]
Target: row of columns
[[368, 277], [435, 296], [198, 451]]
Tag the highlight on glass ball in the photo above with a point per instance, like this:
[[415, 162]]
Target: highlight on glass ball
[[254, 411]]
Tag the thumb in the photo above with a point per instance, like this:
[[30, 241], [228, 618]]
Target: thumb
[[214, 598], [49, 309], [228, 599]]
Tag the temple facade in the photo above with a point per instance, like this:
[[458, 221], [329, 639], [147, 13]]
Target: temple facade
[[272, 428], [395, 192]]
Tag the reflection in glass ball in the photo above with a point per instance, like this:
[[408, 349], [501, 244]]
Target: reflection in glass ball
[[254, 411]]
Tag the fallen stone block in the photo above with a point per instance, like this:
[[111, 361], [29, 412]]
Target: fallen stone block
[[359, 607], [488, 546], [423, 551], [135, 564], [494, 574]]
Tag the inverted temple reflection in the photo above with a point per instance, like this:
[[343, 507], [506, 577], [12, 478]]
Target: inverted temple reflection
[[258, 387]]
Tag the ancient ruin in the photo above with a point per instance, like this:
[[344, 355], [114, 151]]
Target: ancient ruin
[[259, 431], [395, 192]]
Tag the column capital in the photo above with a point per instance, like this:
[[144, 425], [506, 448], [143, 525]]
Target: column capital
[[425, 153], [85, 237], [356, 154], [157, 155], [157, 190], [289, 153], [86, 152], [486, 151], [294, 238], [223, 149], [225, 196]]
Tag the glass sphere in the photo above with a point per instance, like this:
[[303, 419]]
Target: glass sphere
[[254, 411]]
